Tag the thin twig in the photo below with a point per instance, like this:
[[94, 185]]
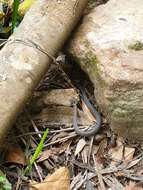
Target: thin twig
[[60, 140], [113, 183], [100, 178], [38, 172], [35, 128], [90, 148], [18, 182]]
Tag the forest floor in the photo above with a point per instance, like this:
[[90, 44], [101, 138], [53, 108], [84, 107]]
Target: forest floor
[[103, 161]]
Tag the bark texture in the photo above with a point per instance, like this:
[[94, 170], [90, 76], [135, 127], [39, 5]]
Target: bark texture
[[48, 24]]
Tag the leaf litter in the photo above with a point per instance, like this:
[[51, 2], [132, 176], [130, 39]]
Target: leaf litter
[[67, 160], [100, 162]]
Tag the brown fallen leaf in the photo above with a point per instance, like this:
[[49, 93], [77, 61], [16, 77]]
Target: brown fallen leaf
[[59, 180], [80, 145], [121, 153], [84, 154], [51, 153], [116, 153], [128, 153], [101, 151], [15, 155]]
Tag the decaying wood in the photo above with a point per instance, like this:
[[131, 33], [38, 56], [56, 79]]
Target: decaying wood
[[62, 97], [23, 62], [56, 108], [61, 115]]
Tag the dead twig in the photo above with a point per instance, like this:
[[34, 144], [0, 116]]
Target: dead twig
[[61, 140], [113, 183], [38, 172], [90, 148], [98, 170]]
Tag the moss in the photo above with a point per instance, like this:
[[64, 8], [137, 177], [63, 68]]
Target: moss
[[89, 62], [91, 65], [137, 46], [119, 113]]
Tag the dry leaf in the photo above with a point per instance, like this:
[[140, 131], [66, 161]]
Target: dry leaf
[[134, 162], [52, 152], [117, 153], [45, 155], [59, 180], [59, 136], [15, 155], [76, 179], [67, 145], [95, 149], [120, 152], [132, 186], [140, 171], [84, 154], [129, 153], [80, 145], [101, 151]]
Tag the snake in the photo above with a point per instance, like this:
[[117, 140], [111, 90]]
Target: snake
[[95, 127]]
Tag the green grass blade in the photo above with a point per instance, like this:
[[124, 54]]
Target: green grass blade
[[15, 13], [37, 152], [39, 148]]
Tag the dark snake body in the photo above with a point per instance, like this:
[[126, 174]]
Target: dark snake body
[[95, 128]]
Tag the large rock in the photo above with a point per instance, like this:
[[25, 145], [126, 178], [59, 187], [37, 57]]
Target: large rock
[[109, 47]]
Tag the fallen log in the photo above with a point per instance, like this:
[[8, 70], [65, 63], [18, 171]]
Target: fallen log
[[26, 56]]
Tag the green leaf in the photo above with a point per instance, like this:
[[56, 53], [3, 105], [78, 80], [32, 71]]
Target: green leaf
[[15, 13], [2, 179], [4, 183], [7, 186]]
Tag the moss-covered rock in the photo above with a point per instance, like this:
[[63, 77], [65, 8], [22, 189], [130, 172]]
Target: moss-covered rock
[[109, 47]]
